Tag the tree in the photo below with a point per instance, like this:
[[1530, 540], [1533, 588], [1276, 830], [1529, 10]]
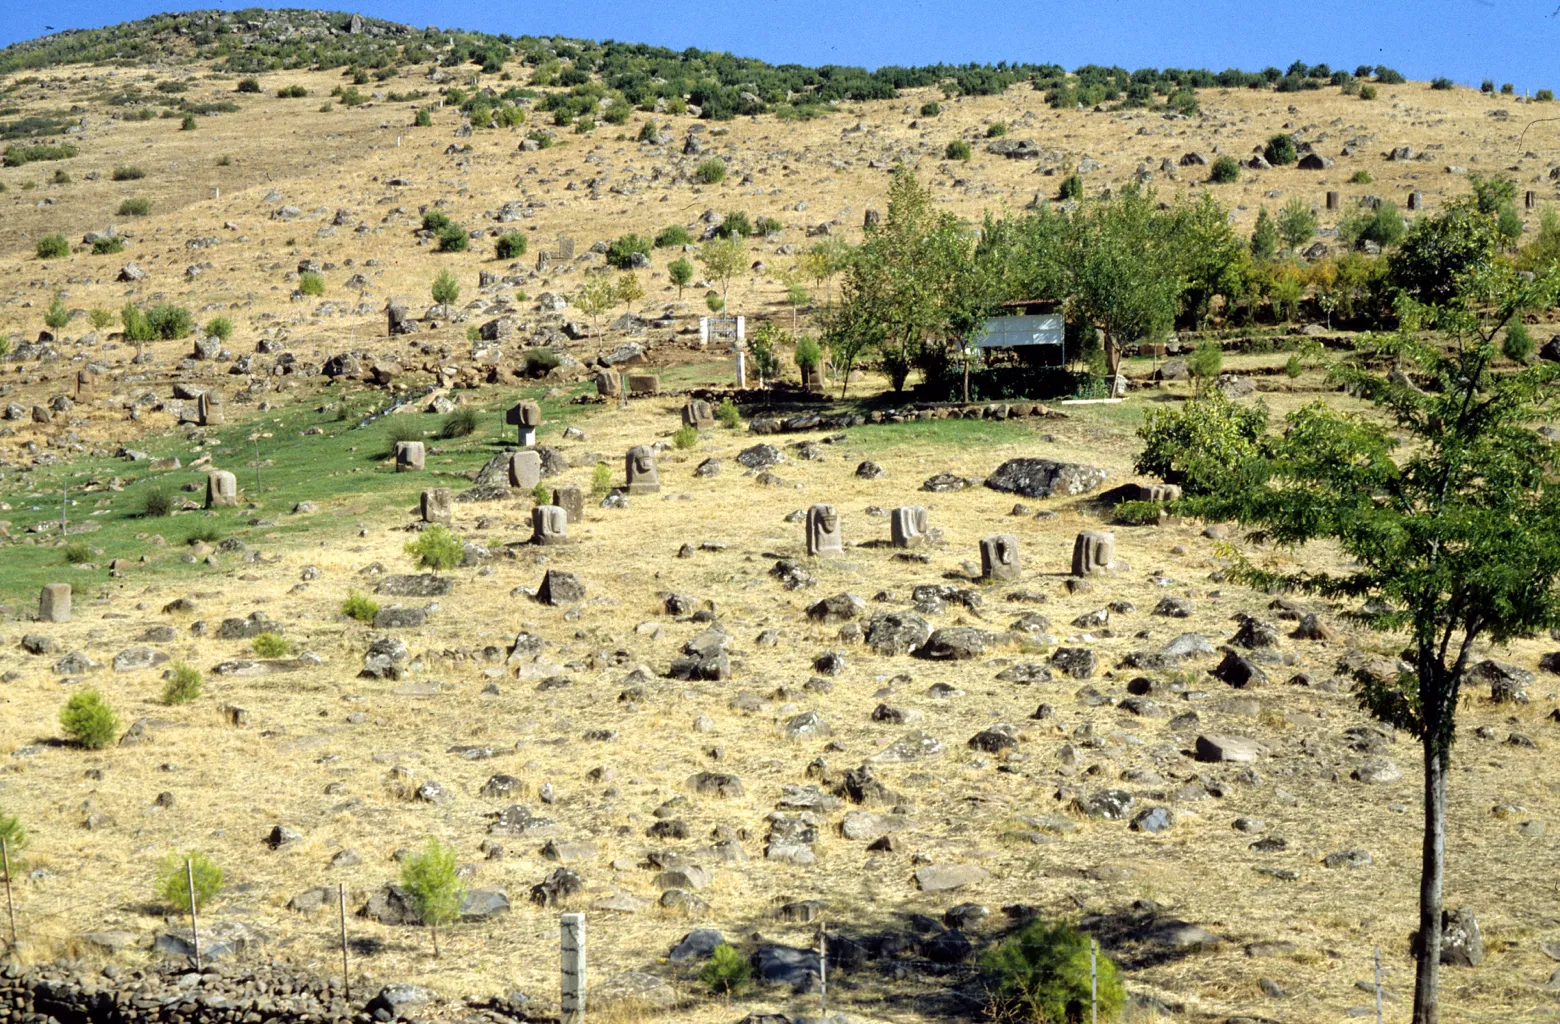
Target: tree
[[445, 290], [177, 871], [1122, 278], [596, 296], [1264, 237], [432, 880], [1439, 250], [628, 289], [761, 347], [1296, 223], [1448, 515], [723, 259], [57, 315], [681, 272], [823, 261]]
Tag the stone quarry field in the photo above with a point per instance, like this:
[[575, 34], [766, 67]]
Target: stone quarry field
[[1209, 920]]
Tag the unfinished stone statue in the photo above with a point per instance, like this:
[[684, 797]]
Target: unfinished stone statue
[[908, 525], [409, 456], [572, 500], [525, 470], [999, 557], [549, 525], [1093, 552], [221, 489], [54, 603], [437, 506], [698, 414], [640, 469], [824, 536]]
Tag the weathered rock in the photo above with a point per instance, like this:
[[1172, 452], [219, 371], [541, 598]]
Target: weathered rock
[[1044, 478]]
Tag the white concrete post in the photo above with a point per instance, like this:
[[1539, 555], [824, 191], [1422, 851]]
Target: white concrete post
[[704, 331], [572, 998], [741, 329], [742, 370]]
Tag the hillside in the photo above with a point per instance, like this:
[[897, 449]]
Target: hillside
[[287, 162]]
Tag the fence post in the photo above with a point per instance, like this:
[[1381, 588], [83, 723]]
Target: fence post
[[1378, 985], [1094, 981], [346, 974], [823, 966], [742, 370], [10, 907], [189, 876], [572, 973]]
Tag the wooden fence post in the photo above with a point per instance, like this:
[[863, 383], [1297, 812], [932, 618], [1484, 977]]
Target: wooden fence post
[[189, 877]]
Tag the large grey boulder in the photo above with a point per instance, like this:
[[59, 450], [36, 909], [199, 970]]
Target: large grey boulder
[[1045, 478]]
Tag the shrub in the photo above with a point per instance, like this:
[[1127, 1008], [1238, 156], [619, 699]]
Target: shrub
[[1292, 367], [15, 837], [183, 684], [99, 318], [1543, 96], [351, 97], [728, 415], [1224, 170], [1518, 345], [510, 247], [1507, 88], [1072, 187], [188, 124], [1137, 513], [77, 553], [291, 92], [711, 171], [206, 533], [57, 315], [996, 131], [1384, 225], [1213, 426], [453, 238], [435, 221], [621, 252], [462, 422], [808, 353], [1296, 223], [139, 206], [761, 349], [685, 437], [1441, 84], [727, 972], [1206, 360], [735, 225], [681, 272], [107, 245], [958, 149], [424, 118], [168, 322], [1361, 177], [19, 156], [600, 479], [89, 720], [1043, 974], [1487, 86], [224, 161], [177, 870], [930, 109], [540, 361], [269, 645], [311, 283], [767, 226], [62, 177], [432, 879], [673, 236], [401, 429], [1280, 150], [445, 288], [436, 548], [713, 302], [219, 327], [648, 131], [156, 503], [360, 606], [1387, 76], [248, 85], [1367, 92], [541, 494], [52, 247]]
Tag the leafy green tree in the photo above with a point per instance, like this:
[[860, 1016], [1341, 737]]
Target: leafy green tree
[[1518, 344], [1123, 279], [723, 259], [436, 548], [681, 272], [1439, 250], [629, 290], [596, 296], [432, 879], [1206, 361], [1383, 225], [445, 289], [1296, 223], [1264, 237], [57, 315], [1208, 255], [1447, 514], [1280, 150], [727, 971], [174, 877], [88, 719], [762, 348]]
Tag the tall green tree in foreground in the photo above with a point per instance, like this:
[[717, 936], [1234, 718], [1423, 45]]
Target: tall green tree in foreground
[[432, 878], [1448, 514]]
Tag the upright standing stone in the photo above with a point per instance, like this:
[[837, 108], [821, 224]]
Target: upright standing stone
[[208, 413], [221, 489], [1530, 199], [1416, 200], [742, 370], [999, 557], [527, 416], [609, 384], [525, 470], [644, 384], [54, 603], [908, 525], [640, 471], [698, 414], [409, 456], [1093, 552], [438, 506], [571, 999], [824, 536], [1332, 200], [549, 525], [572, 500]]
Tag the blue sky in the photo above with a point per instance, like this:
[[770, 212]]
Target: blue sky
[[1466, 40]]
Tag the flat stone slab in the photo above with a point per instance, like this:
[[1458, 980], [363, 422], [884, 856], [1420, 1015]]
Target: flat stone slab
[[948, 877]]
